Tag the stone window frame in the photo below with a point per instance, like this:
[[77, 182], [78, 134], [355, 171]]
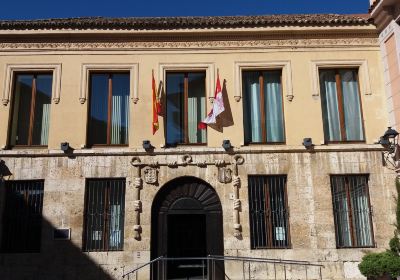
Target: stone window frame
[[361, 65], [284, 65], [12, 69], [132, 68]]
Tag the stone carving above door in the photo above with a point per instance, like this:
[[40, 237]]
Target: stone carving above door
[[225, 175]]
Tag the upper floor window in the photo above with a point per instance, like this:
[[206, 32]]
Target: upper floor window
[[341, 105], [352, 211], [186, 107], [104, 215], [31, 109], [263, 107], [22, 217], [269, 215], [109, 109]]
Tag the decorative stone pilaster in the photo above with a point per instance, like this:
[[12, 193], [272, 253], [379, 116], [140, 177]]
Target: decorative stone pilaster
[[236, 207], [137, 204], [239, 160]]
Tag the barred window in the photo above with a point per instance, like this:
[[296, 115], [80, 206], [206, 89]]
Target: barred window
[[104, 215], [22, 217], [269, 223], [352, 211]]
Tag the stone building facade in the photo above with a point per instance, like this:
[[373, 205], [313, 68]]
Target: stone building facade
[[196, 191]]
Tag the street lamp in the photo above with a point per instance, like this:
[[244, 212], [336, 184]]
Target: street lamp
[[389, 141]]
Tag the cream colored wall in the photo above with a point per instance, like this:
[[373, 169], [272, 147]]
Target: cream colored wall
[[303, 117]]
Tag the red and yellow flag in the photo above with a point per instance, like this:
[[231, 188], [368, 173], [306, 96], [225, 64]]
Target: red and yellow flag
[[155, 105]]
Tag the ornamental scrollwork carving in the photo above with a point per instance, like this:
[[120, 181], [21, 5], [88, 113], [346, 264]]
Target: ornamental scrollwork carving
[[225, 175]]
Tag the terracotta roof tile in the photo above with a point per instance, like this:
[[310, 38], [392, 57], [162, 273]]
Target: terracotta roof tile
[[169, 23]]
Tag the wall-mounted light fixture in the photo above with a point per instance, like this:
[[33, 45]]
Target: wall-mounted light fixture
[[307, 143], [147, 146], [226, 144], [4, 171], [64, 146], [389, 141]]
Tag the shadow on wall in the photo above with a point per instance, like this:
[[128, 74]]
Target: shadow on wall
[[225, 119], [56, 259]]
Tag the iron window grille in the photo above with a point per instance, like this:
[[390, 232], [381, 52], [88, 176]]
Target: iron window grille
[[104, 215], [269, 215], [22, 217], [352, 211]]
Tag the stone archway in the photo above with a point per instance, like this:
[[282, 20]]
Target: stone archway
[[187, 222]]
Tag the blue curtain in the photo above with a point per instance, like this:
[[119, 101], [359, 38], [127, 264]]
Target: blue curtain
[[330, 108], [351, 106]]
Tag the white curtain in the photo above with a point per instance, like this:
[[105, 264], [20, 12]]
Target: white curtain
[[351, 106], [44, 134], [115, 226], [252, 114], [330, 108], [361, 211], [343, 219], [273, 106], [120, 119], [196, 113]]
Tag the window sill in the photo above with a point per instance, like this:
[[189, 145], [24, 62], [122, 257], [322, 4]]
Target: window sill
[[345, 142], [170, 146], [273, 248], [106, 146], [265, 144], [357, 247], [20, 147]]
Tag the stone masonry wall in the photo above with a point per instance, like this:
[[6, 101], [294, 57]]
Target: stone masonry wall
[[309, 199]]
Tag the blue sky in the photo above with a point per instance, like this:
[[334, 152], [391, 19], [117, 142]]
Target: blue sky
[[31, 9]]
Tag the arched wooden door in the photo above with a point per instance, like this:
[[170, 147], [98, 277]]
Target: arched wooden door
[[186, 222]]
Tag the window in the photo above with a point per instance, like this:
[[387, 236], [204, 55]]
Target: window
[[351, 209], [104, 215], [22, 217], [109, 109], [186, 107], [31, 109], [341, 105], [269, 225], [263, 107]]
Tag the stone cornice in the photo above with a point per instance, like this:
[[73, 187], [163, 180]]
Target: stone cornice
[[347, 148], [171, 45]]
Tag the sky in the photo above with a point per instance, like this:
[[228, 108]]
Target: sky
[[39, 9]]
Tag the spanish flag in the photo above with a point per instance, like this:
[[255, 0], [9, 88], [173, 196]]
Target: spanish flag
[[155, 105]]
